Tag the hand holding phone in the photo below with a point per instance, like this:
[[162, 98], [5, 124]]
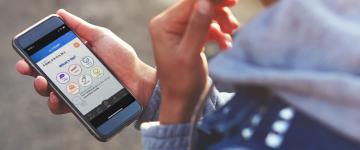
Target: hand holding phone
[[102, 48]]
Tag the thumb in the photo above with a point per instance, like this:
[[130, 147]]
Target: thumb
[[85, 30], [198, 27]]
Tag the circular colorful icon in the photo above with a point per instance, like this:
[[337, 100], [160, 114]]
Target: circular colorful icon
[[76, 44], [85, 80], [75, 69], [87, 61], [63, 77], [72, 88], [97, 72]]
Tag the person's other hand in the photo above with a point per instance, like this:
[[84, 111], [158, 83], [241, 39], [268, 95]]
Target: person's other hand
[[179, 35], [120, 57]]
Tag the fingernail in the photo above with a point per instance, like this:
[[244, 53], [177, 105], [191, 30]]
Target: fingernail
[[204, 7], [235, 22], [61, 10], [37, 77], [228, 37], [228, 44]]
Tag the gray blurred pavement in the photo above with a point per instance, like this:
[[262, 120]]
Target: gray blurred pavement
[[26, 123]]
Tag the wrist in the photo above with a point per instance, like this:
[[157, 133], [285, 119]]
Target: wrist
[[174, 111], [146, 76], [179, 109], [140, 80]]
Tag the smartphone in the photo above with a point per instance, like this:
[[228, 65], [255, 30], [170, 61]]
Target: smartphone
[[96, 97]]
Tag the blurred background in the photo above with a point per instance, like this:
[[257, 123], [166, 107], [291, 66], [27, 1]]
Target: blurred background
[[26, 123]]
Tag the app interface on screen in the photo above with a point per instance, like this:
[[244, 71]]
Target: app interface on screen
[[83, 79]]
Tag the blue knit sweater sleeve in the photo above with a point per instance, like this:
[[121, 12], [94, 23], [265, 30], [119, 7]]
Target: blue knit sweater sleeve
[[176, 136]]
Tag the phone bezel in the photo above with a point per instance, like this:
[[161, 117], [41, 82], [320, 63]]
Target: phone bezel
[[74, 110]]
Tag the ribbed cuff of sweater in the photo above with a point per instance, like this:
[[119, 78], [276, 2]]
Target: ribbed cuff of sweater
[[151, 112], [165, 137]]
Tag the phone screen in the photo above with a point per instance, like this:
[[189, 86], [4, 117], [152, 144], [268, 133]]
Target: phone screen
[[81, 77]]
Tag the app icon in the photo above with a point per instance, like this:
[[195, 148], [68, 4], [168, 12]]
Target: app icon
[[75, 69], [63, 77], [76, 44], [85, 80], [87, 61], [97, 72], [78, 101], [72, 88]]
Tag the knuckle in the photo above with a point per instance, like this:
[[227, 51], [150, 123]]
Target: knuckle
[[155, 24], [103, 29]]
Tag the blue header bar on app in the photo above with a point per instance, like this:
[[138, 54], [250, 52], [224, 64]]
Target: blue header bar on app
[[53, 46]]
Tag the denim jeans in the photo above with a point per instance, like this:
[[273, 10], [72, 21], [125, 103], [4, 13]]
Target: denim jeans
[[258, 119]]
